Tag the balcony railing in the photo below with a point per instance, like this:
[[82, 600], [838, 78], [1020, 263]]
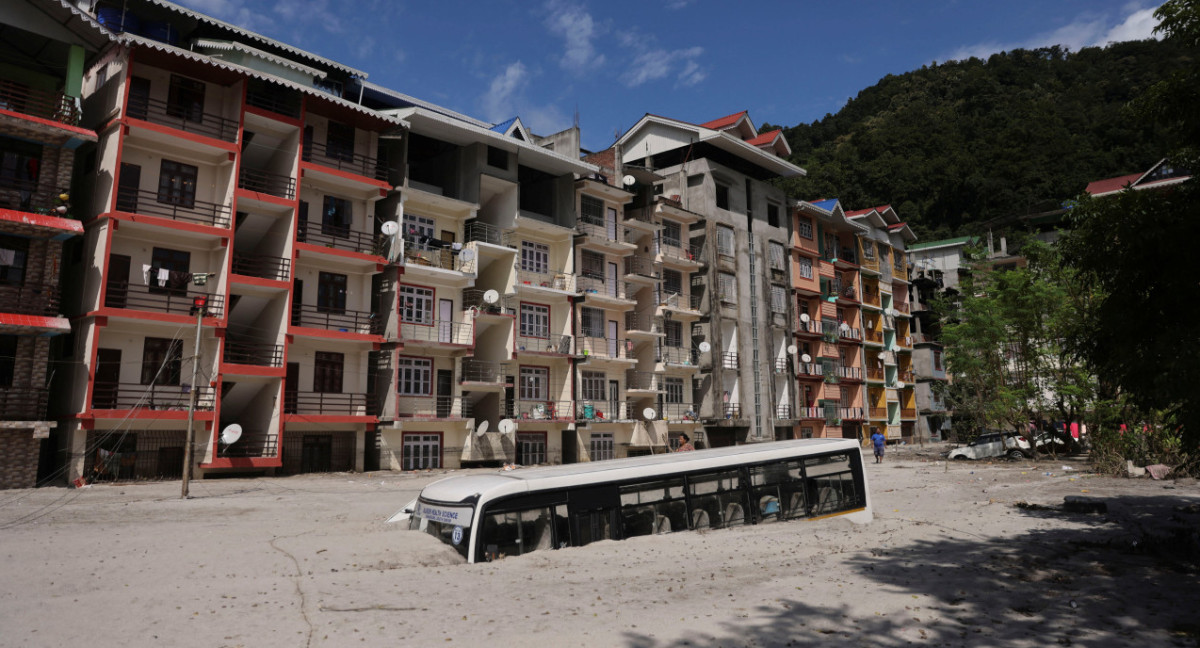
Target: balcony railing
[[847, 255], [431, 408], [179, 300], [327, 403], [182, 117], [643, 381], [679, 412], [906, 377], [782, 366], [873, 336], [729, 360], [870, 296], [874, 374], [557, 281], [29, 299], [547, 344], [642, 266], [674, 249], [544, 410], [439, 331], [847, 332], [603, 347], [345, 321], [676, 355], [342, 238], [870, 262], [124, 396], [589, 285], [473, 298], [731, 410], [810, 412], [614, 232], [878, 412], [850, 413], [23, 403], [435, 254], [253, 443], [262, 266], [908, 413], [175, 207], [641, 214], [252, 353], [55, 106], [811, 327], [851, 373], [809, 369], [783, 412], [483, 371], [643, 322], [588, 410], [275, 184], [486, 233], [831, 414], [680, 301], [343, 158]]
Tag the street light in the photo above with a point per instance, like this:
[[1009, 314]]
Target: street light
[[199, 308]]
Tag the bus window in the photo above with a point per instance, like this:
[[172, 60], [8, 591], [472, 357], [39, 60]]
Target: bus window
[[717, 500], [830, 485], [654, 507], [773, 487], [517, 532]]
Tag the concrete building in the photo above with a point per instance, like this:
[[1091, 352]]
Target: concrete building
[[44, 47]]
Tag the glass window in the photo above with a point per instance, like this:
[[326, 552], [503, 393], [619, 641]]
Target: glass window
[[601, 447], [327, 372], [777, 259], [804, 227], [535, 383], [177, 184], [418, 230], [531, 449], [421, 452], [535, 321], [331, 292], [672, 282], [806, 269], [654, 507], [778, 299], [591, 264], [674, 390], [591, 210], [162, 361], [717, 500], [415, 376], [673, 333], [339, 141], [185, 98], [535, 257], [772, 215], [336, 217], [591, 385], [724, 240], [591, 322], [672, 233], [727, 287], [416, 304]]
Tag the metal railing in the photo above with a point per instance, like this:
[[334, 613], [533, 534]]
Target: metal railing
[[275, 184], [473, 298], [589, 410], [253, 443], [677, 355], [812, 327], [851, 413], [642, 266], [124, 396], [602, 287], [23, 403], [678, 412], [180, 208], [546, 344], [809, 369], [29, 299], [847, 255], [873, 336], [675, 249], [180, 300], [848, 332], [253, 353], [850, 373], [435, 255], [556, 281], [681, 301], [878, 412], [55, 106], [643, 322], [729, 360], [439, 332], [327, 403], [782, 366], [182, 117], [342, 238], [433, 407], [732, 410], [831, 414], [643, 381], [543, 410], [874, 374], [486, 233], [484, 371], [614, 232], [343, 158], [601, 347], [810, 413], [262, 266], [908, 413], [346, 321]]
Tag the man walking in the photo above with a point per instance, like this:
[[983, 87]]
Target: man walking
[[878, 440]]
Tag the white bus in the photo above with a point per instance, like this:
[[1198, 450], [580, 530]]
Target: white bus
[[495, 515]]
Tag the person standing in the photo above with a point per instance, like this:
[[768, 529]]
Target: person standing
[[878, 440]]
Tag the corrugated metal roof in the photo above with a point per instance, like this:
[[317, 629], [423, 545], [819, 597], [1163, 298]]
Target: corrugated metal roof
[[727, 120], [208, 43], [502, 127], [961, 240], [826, 204]]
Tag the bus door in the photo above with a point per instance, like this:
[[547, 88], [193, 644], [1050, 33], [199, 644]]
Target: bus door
[[594, 514]]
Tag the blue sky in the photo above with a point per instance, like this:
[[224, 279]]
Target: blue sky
[[695, 60]]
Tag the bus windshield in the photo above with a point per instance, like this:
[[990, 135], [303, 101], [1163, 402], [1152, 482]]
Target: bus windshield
[[450, 524]]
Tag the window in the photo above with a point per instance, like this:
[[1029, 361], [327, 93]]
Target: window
[[336, 217], [169, 272], [327, 372], [591, 264], [806, 267], [831, 245], [601, 448], [177, 184], [535, 321], [695, 180], [497, 157], [724, 240], [20, 165], [804, 227], [415, 376], [674, 390], [339, 141], [531, 448], [591, 210], [591, 322], [672, 233], [14, 251], [8, 359], [778, 299], [727, 287], [418, 230], [185, 98], [672, 282], [416, 304], [534, 383], [673, 330], [535, 257], [162, 361], [937, 360], [422, 452], [722, 196], [591, 385], [331, 293], [772, 215], [776, 257]]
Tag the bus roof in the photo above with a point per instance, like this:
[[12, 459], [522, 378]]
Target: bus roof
[[461, 487]]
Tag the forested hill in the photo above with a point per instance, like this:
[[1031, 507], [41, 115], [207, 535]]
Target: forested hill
[[955, 144]]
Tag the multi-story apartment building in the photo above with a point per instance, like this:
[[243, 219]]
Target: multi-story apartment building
[[44, 47], [724, 286]]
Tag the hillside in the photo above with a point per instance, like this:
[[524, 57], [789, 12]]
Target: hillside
[[954, 144]]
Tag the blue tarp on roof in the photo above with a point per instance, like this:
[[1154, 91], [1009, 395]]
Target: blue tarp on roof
[[828, 204], [502, 127]]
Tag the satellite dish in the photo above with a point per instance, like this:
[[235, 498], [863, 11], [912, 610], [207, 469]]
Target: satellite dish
[[629, 180], [844, 326], [705, 347], [805, 358], [804, 317], [900, 385], [466, 255], [491, 297], [231, 434], [792, 349], [389, 228], [482, 429], [649, 413], [507, 426]]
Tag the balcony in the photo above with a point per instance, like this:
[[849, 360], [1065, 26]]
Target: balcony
[[127, 396], [610, 236], [598, 287], [54, 106], [681, 302], [729, 360], [731, 410], [23, 403], [254, 443], [869, 261], [902, 307], [262, 266], [831, 414], [810, 369], [251, 353], [844, 292], [873, 336], [782, 366], [676, 251], [435, 254], [677, 355], [850, 413], [783, 413], [875, 374], [908, 413], [438, 332], [29, 299], [177, 300], [878, 412], [182, 117], [327, 403], [485, 372], [642, 267], [343, 158], [847, 332], [546, 344], [544, 410], [642, 217], [341, 238], [486, 233], [604, 348], [604, 411], [173, 206], [643, 381], [473, 298], [906, 376], [276, 184], [870, 296], [647, 324], [560, 281], [811, 327], [432, 408], [340, 319], [679, 412], [810, 413], [278, 100], [849, 373], [847, 255]]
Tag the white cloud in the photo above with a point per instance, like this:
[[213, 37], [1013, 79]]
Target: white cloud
[[656, 64], [678, 4], [1085, 31], [500, 100], [577, 28]]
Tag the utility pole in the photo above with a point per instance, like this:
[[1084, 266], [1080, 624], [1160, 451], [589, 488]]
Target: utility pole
[[199, 306]]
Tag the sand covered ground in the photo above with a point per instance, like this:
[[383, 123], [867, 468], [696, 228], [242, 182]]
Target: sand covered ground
[[961, 554]]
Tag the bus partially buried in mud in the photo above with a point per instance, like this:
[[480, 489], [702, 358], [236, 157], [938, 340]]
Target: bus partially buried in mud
[[495, 515]]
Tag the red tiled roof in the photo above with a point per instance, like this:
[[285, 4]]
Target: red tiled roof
[[1112, 184], [718, 124], [859, 212], [897, 225], [765, 138]]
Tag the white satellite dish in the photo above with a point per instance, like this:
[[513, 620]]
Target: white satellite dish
[[629, 180], [649, 413], [231, 434], [482, 429], [705, 347], [491, 296], [389, 228], [805, 358], [900, 385], [466, 255], [804, 317], [507, 426], [792, 349]]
